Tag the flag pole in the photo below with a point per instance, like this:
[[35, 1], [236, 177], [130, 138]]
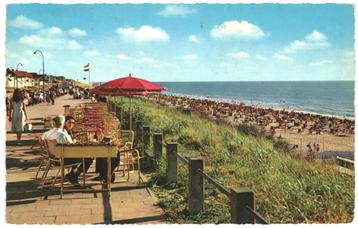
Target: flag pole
[[89, 80]]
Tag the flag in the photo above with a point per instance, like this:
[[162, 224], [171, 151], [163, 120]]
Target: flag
[[86, 67]]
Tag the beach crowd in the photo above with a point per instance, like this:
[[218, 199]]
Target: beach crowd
[[273, 122]]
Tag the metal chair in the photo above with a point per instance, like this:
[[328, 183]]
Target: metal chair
[[125, 151], [131, 158], [50, 146], [44, 160]]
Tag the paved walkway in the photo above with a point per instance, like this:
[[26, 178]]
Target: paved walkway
[[25, 204]]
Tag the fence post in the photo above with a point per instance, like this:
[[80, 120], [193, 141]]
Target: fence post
[[118, 112], [157, 146], [138, 130], [239, 199], [146, 137], [172, 165], [196, 186]]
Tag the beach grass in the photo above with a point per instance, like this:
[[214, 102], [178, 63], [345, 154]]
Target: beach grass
[[287, 189]]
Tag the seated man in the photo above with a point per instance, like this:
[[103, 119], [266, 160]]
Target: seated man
[[61, 136]]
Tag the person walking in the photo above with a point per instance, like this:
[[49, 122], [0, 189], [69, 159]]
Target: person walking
[[17, 114], [52, 96]]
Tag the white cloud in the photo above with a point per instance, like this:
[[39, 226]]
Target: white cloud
[[25, 23], [261, 58], [238, 55], [53, 31], [143, 34], [281, 57], [145, 60], [121, 56], [320, 63], [76, 32], [93, 53], [237, 30], [176, 10], [316, 36], [190, 57], [14, 56], [140, 53], [30, 40], [193, 39], [312, 41], [52, 37], [74, 45]]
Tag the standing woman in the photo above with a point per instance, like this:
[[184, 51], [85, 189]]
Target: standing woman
[[17, 114]]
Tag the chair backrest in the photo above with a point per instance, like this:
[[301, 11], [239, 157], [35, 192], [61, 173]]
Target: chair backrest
[[51, 147], [42, 145], [127, 138]]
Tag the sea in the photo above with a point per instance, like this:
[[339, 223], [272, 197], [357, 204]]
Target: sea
[[331, 98]]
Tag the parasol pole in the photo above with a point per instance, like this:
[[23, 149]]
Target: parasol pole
[[130, 113]]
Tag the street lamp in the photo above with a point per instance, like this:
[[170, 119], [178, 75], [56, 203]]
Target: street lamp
[[16, 76], [43, 71]]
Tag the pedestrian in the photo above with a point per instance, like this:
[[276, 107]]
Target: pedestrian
[[52, 96], [17, 114], [47, 98]]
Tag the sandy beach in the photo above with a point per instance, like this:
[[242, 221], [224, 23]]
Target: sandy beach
[[301, 130]]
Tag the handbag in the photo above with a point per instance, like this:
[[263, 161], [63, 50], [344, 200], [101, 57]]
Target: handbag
[[28, 126]]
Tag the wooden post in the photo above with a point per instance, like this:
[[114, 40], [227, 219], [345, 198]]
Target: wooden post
[[196, 186], [146, 138], [118, 112], [138, 131], [172, 165], [157, 146], [239, 199]]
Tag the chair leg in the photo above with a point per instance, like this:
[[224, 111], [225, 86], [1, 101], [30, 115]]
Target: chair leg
[[44, 175], [54, 179], [38, 170], [138, 165]]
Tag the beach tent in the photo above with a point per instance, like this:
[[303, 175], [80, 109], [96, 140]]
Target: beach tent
[[127, 86]]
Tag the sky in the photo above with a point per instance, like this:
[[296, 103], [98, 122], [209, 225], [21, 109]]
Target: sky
[[184, 42]]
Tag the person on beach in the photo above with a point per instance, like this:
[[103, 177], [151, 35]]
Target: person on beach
[[17, 114], [59, 134]]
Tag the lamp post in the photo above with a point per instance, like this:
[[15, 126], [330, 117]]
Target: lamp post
[[43, 71], [16, 76]]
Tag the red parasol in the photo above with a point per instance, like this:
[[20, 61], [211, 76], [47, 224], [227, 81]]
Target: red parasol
[[127, 86]]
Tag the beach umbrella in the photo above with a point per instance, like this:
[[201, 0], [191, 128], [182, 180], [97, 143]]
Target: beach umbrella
[[127, 86]]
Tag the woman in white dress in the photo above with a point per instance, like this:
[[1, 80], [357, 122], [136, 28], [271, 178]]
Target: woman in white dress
[[17, 114]]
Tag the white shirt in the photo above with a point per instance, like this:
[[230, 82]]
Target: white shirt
[[58, 134]]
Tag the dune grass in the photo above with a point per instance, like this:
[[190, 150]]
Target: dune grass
[[287, 189]]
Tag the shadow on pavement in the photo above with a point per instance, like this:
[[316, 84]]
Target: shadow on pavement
[[29, 132], [23, 142], [15, 203], [139, 220]]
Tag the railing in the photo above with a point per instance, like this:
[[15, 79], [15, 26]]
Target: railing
[[242, 202], [344, 162], [241, 199]]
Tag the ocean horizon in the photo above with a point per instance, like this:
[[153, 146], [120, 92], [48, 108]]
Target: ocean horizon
[[332, 98]]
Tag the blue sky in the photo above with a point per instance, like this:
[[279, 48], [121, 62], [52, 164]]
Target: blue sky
[[196, 42]]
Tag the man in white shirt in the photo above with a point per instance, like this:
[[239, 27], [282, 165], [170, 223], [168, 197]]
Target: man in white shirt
[[61, 136]]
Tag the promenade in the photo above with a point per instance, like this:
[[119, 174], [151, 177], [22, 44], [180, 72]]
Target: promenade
[[26, 204]]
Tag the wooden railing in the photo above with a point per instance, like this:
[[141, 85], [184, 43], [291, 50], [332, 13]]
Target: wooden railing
[[242, 200]]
